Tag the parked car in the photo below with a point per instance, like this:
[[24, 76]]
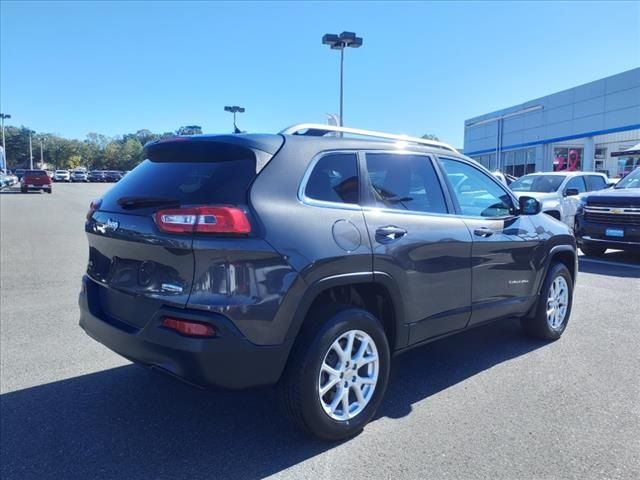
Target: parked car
[[35, 180], [96, 176], [611, 218], [79, 176], [19, 172], [7, 179], [113, 176], [559, 192], [505, 178], [307, 260], [62, 176]]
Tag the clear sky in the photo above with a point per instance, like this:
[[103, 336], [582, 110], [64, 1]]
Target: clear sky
[[115, 67]]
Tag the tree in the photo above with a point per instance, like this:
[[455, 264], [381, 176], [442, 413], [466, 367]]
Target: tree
[[190, 130], [431, 136]]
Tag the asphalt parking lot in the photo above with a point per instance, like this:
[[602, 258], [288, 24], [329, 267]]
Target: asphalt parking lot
[[488, 403]]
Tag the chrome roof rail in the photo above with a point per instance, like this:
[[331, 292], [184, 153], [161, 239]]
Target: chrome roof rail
[[319, 130]]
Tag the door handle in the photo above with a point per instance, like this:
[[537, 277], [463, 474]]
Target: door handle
[[483, 232], [390, 233]]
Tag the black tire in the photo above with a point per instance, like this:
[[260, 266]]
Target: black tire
[[537, 325], [50, 190], [590, 251], [24, 190], [299, 390]]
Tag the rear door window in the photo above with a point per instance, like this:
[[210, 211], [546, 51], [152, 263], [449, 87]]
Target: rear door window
[[595, 182], [577, 183], [334, 178], [404, 182]]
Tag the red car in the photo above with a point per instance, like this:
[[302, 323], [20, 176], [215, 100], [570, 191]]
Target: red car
[[35, 180]]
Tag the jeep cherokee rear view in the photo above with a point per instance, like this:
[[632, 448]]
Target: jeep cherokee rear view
[[306, 260]]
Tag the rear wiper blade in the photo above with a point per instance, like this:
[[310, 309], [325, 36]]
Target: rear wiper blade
[[142, 202]]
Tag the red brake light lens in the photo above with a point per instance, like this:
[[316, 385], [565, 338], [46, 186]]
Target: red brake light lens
[[219, 219], [93, 206], [188, 328]]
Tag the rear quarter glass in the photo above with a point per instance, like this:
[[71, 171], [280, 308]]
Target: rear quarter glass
[[191, 174]]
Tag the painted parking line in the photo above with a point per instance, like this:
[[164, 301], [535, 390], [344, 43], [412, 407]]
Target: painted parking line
[[609, 262]]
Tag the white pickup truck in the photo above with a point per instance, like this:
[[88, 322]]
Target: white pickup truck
[[559, 192]]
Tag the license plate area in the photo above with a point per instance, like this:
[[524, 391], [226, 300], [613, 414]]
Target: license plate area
[[133, 310], [614, 232]]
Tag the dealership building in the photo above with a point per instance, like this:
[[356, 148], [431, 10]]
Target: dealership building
[[592, 127]]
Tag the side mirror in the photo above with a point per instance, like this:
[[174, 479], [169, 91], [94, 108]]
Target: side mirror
[[571, 192], [529, 206]]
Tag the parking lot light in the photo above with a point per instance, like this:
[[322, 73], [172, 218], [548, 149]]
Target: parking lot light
[[340, 42], [234, 109], [4, 116]]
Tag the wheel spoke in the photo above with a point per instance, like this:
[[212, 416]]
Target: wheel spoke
[[332, 372], [361, 351], [336, 400], [357, 390], [329, 385], [367, 360], [345, 402], [349, 348]]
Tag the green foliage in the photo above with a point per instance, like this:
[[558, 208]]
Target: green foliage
[[430, 136], [96, 151], [189, 130]]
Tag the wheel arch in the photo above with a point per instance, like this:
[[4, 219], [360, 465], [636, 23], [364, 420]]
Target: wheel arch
[[565, 254], [376, 293]]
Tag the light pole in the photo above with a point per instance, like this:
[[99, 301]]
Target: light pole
[[340, 42], [4, 147], [41, 153], [234, 109], [30, 150]]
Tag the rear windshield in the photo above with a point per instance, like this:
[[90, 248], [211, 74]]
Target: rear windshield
[[36, 173], [537, 183], [190, 176]]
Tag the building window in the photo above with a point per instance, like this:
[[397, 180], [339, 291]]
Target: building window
[[567, 159], [599, 160], [519, 162], [487, 161]]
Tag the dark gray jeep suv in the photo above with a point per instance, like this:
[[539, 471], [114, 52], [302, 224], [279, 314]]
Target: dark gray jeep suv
[[307, 259]]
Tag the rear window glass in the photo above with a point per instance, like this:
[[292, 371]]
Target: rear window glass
[[36, 173], [199, 179], [595, 182], [334, 179]]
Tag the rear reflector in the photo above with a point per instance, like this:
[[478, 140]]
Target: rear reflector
[[186, 327], [205, 219]]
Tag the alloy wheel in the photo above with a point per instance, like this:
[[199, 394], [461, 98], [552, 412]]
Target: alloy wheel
[[348, 375]]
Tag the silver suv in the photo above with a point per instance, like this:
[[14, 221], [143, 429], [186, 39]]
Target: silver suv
[[559, 192]]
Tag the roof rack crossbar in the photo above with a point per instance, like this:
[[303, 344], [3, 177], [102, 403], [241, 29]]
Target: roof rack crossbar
[[317, 129]]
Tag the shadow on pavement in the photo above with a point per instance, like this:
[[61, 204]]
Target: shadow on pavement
[[610, 269], [129, 423], [12, 192]]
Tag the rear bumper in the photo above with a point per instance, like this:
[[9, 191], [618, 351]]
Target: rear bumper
[[227, 361]]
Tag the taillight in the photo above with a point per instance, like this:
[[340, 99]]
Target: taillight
[[205, 219], [189, 328], [93, 206]]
